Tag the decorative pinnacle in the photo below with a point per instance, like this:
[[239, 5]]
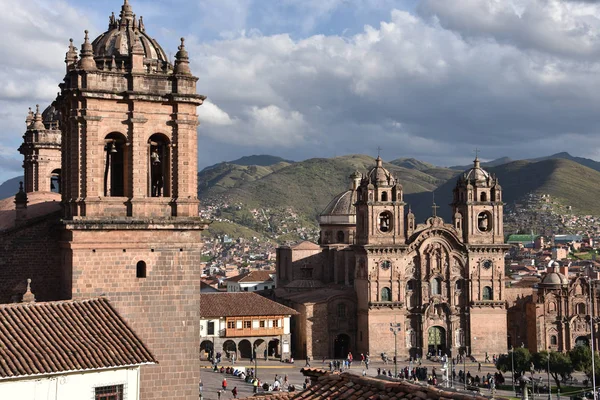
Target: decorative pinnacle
[[28, 297]]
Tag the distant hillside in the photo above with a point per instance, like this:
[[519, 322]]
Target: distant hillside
[[10, 187], [412, 163], [595, 165], [308, 186], [569, 181], [263, 160], [493, 163], [225, 176]]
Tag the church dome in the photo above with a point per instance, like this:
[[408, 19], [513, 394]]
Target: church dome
[[51, 117], [380, 176], [477, 174], [124, 35], [342, 204], [554, 279]]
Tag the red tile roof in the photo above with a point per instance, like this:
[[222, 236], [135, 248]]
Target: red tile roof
[[44, 338], [242, 304], [253, 276], [353, 387]]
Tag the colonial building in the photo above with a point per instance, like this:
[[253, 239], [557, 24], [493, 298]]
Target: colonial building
[[251, 281], [244, 324], [441, 283], [559, 317], [127, 224]]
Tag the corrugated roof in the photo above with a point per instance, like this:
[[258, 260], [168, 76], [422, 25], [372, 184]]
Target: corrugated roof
[[61, 336], [243, 304], [353, 387]]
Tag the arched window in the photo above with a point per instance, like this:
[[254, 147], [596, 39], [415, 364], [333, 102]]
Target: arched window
[[483, 196], [410, 285], [140, 269], [340, 236], [115, 165], [551, 306], [386, 294], [385, 221], [55, 181], [341, 310], [487, 293], [580, 308], [158, 160], [553, 340], [436, 286], [384, 196], [458, 284]]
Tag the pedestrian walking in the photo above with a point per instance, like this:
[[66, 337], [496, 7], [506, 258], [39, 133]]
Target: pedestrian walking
[[307, 362], [224, 384], [234, 392]]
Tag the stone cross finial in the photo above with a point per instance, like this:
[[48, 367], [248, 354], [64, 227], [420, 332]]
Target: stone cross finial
[[379, 151], [28, 297], [434, 206]]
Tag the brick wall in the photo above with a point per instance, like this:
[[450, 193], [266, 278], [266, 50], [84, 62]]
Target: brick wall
[[161, 308], [31, 251]]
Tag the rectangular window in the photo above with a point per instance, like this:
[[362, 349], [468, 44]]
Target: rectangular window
[[247, 324], [245, 289], [211, 328], [262, 323], [275, 323], [230, 324], [114, 392]]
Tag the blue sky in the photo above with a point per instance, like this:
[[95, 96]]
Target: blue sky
[[430, 79]]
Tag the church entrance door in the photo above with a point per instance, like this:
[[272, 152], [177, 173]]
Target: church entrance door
[[582, 341], [436, 343], [341, 346]]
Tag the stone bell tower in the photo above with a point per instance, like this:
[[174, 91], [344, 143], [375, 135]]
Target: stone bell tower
[[131, 225], [478, 207], [478, 216], [41, 151], [381, 242]]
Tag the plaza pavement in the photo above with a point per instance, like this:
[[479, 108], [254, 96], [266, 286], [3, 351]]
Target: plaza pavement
[[268, 369]]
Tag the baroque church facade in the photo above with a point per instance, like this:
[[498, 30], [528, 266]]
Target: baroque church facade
[[378, 277], [120, 145]]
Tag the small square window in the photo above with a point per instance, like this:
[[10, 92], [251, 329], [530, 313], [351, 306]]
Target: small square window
[[275, 323], [247, 324], [114, 392], [262, 323], [230, 324]]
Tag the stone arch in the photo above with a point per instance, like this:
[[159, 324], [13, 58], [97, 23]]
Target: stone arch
[[229, 347], [340, 237], [55, 181], [245, 348], [384, 196], [159, 165], [274, 348], [116, 165], [206, 350], [483, 196], [386, 294], [487, 293], [580, 308]]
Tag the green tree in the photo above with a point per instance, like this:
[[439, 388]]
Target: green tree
[[581, 358], [522, 361], [560, 364]]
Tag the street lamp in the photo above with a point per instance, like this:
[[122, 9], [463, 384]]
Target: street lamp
[[465, 367], [549, 386], [590, 281], [395, 328], [512, 364]]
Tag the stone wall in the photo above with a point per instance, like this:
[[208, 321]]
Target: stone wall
[[31, 251], [161, 308]]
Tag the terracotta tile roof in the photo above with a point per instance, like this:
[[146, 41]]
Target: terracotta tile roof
[[253, 276], [243, 304], [354, 387], [43, 338]]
